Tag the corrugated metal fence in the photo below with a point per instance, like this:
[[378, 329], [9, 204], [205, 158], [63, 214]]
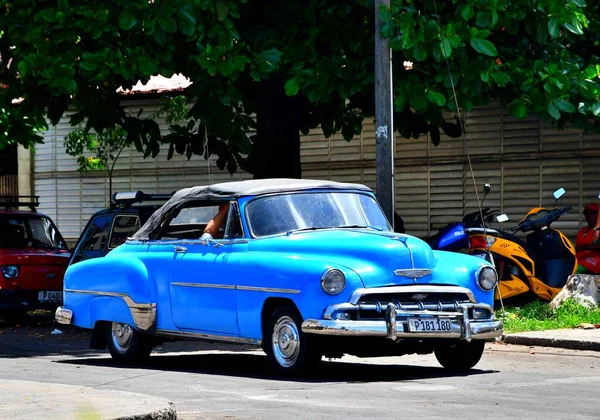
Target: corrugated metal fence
[[524, 161]]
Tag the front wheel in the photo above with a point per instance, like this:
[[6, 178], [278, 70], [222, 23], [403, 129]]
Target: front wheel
[[126, 345], [289, 350], [460, 356]]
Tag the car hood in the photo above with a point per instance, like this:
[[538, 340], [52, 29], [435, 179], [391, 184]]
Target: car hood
[[33, 256], [375, 256]]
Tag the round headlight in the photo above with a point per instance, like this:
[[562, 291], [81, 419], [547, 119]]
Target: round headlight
[[10, 271], [333, 281], [487, 278]]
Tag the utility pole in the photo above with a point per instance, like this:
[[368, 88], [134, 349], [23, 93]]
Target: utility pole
[[384, 120]]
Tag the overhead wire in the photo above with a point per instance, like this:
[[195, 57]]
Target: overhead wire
[[466, 145]]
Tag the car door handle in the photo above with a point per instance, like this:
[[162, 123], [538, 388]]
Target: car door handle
[[180, 249]]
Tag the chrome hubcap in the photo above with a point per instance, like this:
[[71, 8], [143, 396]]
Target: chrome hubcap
[[121, 336], [286, 341]]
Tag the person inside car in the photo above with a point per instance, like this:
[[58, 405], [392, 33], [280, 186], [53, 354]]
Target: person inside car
[[215, 228]]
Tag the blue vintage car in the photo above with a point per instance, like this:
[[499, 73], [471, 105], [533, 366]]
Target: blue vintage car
[[304, 268]]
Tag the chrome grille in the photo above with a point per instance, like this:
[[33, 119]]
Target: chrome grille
[[373, 306]]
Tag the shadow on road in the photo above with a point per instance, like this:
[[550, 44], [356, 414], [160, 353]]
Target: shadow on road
[[256, 366], [33, 337]]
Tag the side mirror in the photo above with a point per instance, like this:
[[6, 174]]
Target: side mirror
[[487, 188], [559, 193], [501, 218]]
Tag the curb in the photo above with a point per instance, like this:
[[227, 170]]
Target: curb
[[168, 413], [525, 340], [28, 400]]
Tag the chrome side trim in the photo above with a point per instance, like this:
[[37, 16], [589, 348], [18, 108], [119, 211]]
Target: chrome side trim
[[417, 288], [203, 285], [236, 287], [269, 290], [208, 337], [143, 314]]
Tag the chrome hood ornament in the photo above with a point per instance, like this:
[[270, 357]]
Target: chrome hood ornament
[[412, 273]]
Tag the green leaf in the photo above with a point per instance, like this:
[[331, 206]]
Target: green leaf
[[518, 109], [501, 78], [347, 132], [576, 29], [168, 24], [272, 56], [222, 10], [590, 72], [542, 33], [553, 111], [485, 76], [146, 66], [446, 48], [400, 102], [396, 43], [467, 12], [579, 3], [596, 109], [127, 20], [327, 126], [484, 19], [88, 65], [420, 54], [484, 46], [565, 106], [553, 28], [436, 98], [291, 87], [418, 102]]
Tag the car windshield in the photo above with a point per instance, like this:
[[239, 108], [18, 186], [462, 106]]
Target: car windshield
[[24, 231], [286, 213]]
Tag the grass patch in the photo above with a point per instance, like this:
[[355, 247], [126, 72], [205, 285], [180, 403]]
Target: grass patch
[[536, 316]]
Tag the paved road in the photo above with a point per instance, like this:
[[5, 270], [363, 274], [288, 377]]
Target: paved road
[[205, 382]]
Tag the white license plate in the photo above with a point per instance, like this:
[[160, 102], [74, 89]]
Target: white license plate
[[429, 325], [46, 296]]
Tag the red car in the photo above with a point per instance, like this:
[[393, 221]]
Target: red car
[[33, 260]]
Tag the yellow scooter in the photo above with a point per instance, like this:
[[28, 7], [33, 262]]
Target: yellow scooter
[[540, 265]]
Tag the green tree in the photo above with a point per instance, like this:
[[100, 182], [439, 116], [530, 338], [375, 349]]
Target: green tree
[[294, 65], [96, 152]]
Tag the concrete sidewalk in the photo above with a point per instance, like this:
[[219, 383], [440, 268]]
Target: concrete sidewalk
[[24, 400], [575, 338]]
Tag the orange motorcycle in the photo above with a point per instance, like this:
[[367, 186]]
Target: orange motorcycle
[[539, 265]]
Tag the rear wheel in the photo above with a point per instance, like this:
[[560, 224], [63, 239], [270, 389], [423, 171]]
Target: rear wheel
[[290, 351], [460, 356], [127, 345]]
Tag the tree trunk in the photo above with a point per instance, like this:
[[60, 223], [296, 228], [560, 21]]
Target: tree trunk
[[277, 142]]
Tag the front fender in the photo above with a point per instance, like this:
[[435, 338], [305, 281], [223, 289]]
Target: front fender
[[461, 270], [299, 276]]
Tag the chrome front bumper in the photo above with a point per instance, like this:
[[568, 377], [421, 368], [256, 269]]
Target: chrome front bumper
[[63, 315], [396, 325]]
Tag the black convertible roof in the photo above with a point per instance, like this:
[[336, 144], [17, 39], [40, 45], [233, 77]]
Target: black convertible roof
[[233, 190]]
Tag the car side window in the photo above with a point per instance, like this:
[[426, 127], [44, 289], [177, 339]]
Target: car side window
[[123, 227], [233, 229], [189, 222], [97, 235]]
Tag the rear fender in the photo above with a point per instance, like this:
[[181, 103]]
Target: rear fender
[[111, 309]]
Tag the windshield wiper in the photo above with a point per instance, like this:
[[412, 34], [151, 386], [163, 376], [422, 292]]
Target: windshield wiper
[[360, 227], [308, 228]]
